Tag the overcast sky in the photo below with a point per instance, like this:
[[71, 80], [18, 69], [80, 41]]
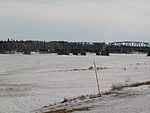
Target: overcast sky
[[75, 20]]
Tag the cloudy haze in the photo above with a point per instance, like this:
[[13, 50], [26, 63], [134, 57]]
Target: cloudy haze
[[75, 20]]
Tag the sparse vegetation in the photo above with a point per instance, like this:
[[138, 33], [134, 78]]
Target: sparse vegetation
[[120, 87], [69, 111], [65, 100], [82, 97], [85, 69]]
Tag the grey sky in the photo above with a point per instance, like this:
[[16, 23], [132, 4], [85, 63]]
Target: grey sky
[[75, 20]]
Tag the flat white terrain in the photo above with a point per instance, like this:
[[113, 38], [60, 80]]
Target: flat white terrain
[[29, 82]]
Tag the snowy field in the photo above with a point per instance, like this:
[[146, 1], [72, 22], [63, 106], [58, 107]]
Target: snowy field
[[29, 82]]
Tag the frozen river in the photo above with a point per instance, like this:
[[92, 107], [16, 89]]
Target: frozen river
[[29, 82]]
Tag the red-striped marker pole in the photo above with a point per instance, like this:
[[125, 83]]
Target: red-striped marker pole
[[98, 86]]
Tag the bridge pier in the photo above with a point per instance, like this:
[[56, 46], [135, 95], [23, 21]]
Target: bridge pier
[[63, 52], [148, 53], [97, 53], [43, 51], [83, 52], [7, 51], [105, 53], [75, 53], [27, 52]]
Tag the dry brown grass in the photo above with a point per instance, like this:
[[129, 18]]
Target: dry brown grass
[[98, 68], [69, 111], [82, 97], [120, 87]]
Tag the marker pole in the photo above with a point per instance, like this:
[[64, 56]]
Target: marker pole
[[98, 86]]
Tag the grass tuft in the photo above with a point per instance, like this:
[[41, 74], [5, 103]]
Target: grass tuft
[[120, 87]]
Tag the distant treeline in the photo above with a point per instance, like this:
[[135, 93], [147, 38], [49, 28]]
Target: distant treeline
[[52, 46]]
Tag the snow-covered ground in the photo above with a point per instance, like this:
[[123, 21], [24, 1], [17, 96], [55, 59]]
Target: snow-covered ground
[[135, 100], [126, 100], [29, 82]]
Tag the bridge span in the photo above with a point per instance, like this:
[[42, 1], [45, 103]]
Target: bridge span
[[128, 46]]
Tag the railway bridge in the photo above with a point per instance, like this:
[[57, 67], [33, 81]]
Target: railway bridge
[[128, 46]]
